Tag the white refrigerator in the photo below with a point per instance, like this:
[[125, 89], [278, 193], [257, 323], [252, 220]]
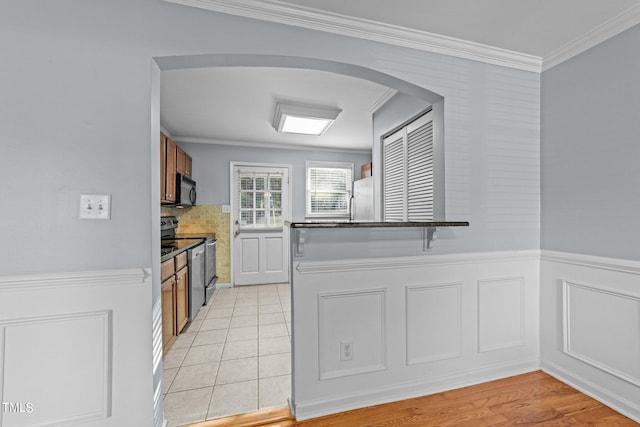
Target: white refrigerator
[[362, 207]]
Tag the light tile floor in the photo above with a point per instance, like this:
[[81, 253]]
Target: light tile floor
[[233, 358]]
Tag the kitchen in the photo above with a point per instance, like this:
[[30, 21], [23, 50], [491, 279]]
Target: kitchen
[[210, 170]]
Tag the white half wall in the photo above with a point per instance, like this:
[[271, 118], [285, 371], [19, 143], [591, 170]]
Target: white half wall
[[416, 326], [590, 326], [74, 349]]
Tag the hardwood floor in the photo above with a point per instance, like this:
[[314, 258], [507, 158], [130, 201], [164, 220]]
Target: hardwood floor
[[530, 399]]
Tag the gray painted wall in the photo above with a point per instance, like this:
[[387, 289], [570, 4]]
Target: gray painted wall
[[211, 169], [75, 118], [590, 149]]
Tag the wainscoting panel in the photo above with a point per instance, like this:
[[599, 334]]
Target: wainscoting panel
[[590, 326], [597, 321], [76, 349], [356, 319], [412, 323], [80, 345], [434, 322], [500, 313]]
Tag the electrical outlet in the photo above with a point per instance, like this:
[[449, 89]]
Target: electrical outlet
[[346, 351], [95, 206]]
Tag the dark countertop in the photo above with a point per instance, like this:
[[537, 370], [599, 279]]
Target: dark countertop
[[171, 248], [371, 224], [195, 235]]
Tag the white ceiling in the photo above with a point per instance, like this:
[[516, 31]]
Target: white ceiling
[[236, 104]]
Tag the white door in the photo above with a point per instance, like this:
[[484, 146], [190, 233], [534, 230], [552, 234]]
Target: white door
[[260, 198]]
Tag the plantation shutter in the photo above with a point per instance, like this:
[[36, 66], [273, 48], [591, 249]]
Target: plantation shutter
[[407, 168], [420, 170], [394, 177]]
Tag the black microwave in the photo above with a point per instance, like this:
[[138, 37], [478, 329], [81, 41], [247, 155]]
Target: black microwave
[[185, 191]]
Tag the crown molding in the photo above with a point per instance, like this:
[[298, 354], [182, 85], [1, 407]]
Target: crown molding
[[253, 144], [310, 18], [601, 33], [382, 100]]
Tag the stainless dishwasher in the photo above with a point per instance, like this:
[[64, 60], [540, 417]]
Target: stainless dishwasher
[[210, 277], [196, 265]]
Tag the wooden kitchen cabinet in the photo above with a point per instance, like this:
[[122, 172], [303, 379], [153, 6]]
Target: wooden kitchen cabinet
[[167, 269], [168, 314], [175, 298], [182, 299], [168, 165], [181, 260], [188, 162], [163, 166], [183, 162], [173, 159]]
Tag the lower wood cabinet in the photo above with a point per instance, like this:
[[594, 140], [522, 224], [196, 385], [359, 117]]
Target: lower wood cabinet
[[175, 299], [182, 299], [168, 314]]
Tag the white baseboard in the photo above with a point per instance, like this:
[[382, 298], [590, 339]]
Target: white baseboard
[[223, 285], [596, 391], [340, 403]]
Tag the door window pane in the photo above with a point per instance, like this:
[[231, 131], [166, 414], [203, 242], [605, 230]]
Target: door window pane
[[260, 200]]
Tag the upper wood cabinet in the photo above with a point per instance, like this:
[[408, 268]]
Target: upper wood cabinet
[[163, 166], [172, 159], [168, 163], [183, 162], [187, 165]]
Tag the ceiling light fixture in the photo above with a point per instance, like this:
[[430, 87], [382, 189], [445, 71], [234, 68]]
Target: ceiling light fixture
[[303, 119]]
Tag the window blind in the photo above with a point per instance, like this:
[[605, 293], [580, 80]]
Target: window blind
[[328, 190]]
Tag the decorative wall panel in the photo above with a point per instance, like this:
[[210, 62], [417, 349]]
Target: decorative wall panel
[[500, 313], [41, 354], [602, 328], [412, 325], [433, 322], [351, 317], [76, 348]]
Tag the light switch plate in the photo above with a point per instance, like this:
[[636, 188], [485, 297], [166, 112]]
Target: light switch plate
[[226, 209], [95, 206]]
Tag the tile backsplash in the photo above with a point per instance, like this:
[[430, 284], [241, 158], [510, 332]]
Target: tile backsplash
[[207, 219]]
